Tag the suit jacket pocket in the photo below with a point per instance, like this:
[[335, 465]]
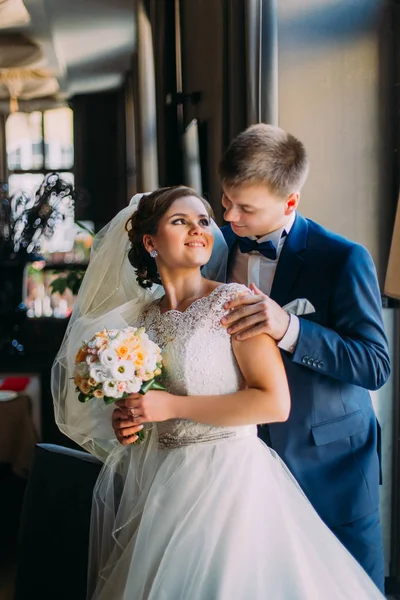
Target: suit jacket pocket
[[345, 426]]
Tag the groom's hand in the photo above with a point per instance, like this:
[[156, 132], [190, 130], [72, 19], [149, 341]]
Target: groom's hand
[[253, 314]]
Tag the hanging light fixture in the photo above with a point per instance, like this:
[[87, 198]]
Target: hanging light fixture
[[25, 84], [23, 75], [13, 13], [16, 50]]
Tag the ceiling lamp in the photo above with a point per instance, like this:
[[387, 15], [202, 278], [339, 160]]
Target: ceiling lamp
[[13, 13], [26, 84], [17, 51]]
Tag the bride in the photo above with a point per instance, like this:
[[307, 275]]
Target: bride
[[202, 509]]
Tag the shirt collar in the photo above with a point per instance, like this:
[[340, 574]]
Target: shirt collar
[[276, 236]]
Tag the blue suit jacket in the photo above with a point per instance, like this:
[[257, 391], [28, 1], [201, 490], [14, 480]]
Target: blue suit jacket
[[330, 441]]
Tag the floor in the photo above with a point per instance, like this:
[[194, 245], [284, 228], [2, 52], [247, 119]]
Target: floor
[[7, 573], [11, 498]]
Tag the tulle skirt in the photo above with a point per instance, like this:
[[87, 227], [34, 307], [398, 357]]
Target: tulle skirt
[[213, 521]]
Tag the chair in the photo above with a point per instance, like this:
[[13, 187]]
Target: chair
[[54, 530]]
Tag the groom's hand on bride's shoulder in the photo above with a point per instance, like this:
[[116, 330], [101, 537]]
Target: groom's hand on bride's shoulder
[[124, 426], [251, 314]]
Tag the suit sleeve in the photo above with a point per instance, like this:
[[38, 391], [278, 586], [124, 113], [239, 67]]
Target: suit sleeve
[[355, 349]]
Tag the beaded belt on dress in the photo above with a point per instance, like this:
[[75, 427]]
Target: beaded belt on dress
[[168, 440]]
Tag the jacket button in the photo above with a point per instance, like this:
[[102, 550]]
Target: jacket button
[[315, 363], [310, 361], [304, 359], [320, 365]]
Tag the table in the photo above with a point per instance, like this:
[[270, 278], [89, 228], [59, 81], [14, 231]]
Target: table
[[17, 434], [29, 384]]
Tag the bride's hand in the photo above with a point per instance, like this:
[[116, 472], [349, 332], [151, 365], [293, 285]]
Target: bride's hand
[[154, 406], [125, 428]]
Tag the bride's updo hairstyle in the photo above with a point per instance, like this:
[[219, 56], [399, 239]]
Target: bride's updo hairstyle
[[145, 220]]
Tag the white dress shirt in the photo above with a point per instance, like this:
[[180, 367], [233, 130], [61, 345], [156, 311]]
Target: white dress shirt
[[253, 267]]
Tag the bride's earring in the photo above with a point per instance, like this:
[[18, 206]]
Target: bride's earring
[[153, 253]]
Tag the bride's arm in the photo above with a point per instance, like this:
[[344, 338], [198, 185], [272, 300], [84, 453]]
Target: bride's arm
[[266, 398]]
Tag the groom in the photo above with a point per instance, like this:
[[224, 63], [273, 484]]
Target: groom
[[331, 334]]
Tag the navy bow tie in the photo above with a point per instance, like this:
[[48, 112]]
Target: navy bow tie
[[267, 249]]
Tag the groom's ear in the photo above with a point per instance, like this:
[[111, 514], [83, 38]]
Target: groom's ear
[[292, 203]]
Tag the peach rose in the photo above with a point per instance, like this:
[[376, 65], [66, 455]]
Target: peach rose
[[122, 351], [84, 386], [81, 355]]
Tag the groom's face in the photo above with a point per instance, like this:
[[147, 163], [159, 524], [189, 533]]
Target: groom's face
[[253, 210]]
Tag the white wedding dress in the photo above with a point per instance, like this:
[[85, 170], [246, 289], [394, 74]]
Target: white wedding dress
[[198, 512]]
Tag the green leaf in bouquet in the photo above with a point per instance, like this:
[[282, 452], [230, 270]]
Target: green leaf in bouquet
[[141, 436], [83, 397], [152, 384], [109, 400]]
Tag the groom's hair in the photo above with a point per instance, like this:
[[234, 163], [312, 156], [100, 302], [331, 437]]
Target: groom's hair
[[151, 208], [266, 155]]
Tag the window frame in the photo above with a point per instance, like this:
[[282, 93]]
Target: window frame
[[35, 171]]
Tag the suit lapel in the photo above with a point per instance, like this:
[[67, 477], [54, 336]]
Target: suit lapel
[[229, 236], [290, 262], [231, 240]]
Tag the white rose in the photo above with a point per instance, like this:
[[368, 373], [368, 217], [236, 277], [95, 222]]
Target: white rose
[[123, 370], [133, 386], [150, 364], [108, 357], [110, 389], [98, 374], [114, 343], [130, 330]]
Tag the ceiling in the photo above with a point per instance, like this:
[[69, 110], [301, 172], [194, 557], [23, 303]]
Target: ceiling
[[87, 44]]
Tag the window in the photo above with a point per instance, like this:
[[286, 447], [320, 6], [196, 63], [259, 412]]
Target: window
[[39, 143]]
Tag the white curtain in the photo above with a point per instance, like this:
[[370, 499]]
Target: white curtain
[[262, 61], [148, 163]]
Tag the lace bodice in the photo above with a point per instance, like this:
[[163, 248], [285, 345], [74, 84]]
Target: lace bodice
[[198, 360]]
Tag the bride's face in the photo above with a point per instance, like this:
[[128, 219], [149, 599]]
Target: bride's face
[[184, 238]]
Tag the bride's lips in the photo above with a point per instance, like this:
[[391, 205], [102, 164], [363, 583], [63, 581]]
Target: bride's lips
[[195, 244]]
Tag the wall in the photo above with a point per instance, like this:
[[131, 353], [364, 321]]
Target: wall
[[335, 93], [100, 155], [385, 405], [213, 63]]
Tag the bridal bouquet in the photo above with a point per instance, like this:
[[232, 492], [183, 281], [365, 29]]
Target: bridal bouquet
[[116, 363]]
